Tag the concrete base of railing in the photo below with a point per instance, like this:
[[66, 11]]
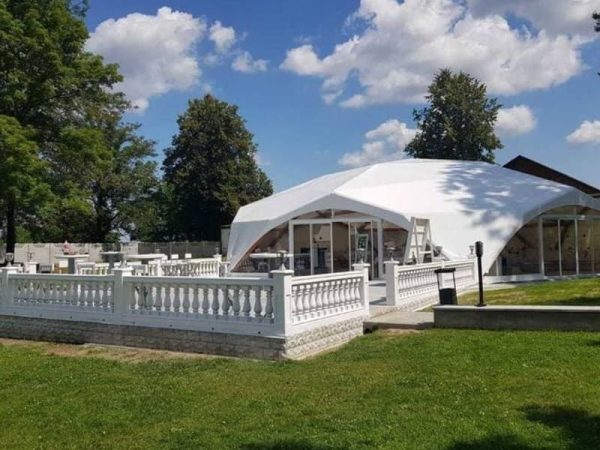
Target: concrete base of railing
[[564, 318], [298, 346]]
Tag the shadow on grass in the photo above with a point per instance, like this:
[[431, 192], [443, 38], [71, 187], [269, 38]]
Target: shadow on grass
[[579, 431], [288, 445]]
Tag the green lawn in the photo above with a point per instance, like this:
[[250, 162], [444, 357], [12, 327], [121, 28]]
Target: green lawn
[[433, 389], [584, 292]]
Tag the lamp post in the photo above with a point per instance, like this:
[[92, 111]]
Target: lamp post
[[479, 254]]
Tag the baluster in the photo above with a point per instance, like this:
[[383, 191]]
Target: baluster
[[104, 299], [215, 300], [226, 301], [236, 300], [80, 294], [246, 305], [167, 298], [269, 303], [196, 300], [205, 302], [158, 298], [338, 286], [306, 294], [296, 296], [186, 298], [257, 302]]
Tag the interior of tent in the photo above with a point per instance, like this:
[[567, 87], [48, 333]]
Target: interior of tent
[[328, 241]]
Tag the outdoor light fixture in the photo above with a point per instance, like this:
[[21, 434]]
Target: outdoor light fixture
[[9, 259], [479, 254]]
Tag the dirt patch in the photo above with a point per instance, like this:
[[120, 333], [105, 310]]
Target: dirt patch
[[110, 352]]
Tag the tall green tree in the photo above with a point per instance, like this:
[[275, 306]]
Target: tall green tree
[[458, 123], [104, 176], [48, 82], [21, 171], [210, 170]]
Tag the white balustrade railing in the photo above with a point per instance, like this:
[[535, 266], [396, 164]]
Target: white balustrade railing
[[87, 292], [416, 286], [248, 299], [326, 295], [282, 305], [203, 267]]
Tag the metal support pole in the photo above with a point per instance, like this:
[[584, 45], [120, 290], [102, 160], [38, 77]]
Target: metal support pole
[[479, 253]]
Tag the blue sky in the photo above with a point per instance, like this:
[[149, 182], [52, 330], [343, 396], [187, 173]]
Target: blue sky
[[309, 104]]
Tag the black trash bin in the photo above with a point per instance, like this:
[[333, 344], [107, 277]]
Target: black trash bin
[[447, 293]]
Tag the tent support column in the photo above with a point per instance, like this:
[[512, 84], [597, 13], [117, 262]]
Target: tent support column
[[541, 245]]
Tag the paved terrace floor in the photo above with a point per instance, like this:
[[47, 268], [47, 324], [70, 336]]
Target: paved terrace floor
[[388, 317]]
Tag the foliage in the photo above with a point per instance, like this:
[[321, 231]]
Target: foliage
[[98, 168], [210, 170], [459, 121], [437, 389]]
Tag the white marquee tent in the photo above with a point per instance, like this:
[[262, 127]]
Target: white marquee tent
[[464, 201]]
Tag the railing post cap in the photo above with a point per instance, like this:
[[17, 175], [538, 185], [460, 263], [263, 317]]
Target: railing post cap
[[282, 272], [11, 269], [360, 266], [392, 263]]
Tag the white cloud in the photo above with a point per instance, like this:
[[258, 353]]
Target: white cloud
[[246, 64], [154, 53], [403, 44], [223, 37], [554, 16], [587, 133], [384, 143], [515, 120]]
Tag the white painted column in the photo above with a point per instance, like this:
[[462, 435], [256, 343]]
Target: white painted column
[[391, 282], [121, 297], [364, 268], [282, 301], [8, 293]]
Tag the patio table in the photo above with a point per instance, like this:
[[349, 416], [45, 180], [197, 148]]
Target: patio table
[[72, 260]]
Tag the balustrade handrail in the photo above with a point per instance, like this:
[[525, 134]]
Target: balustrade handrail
[[61, 276], [326, 277], [197, 280]]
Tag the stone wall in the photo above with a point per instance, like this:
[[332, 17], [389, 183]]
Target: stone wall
[[497, 317], [225, 344]]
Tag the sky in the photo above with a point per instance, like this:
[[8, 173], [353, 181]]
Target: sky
[[330, 85]]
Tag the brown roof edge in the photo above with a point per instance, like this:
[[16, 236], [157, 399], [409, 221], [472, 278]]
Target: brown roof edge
[[531, 167]]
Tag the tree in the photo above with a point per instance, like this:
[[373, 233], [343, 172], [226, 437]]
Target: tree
[[459, 121], [596, 17], [104, 175], [47, 80], [210, 170], [21, 171]]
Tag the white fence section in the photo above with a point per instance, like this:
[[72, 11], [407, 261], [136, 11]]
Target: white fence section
[[415, 286], [201, 267], [319, 296], [283, 305]]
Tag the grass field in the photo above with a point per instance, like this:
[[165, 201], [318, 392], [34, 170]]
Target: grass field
[[434, 389], [584, 292]]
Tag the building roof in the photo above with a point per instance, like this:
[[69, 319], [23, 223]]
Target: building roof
[[465, 201], [531, 167]]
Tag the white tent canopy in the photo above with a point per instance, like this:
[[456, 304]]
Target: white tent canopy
[[465, 201]]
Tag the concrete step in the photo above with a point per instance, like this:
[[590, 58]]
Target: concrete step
[[400, 320]]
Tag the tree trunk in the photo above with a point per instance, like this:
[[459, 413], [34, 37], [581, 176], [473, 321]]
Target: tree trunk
[[11, 231]]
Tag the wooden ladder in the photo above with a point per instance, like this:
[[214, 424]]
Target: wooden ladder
[[418, 244]]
